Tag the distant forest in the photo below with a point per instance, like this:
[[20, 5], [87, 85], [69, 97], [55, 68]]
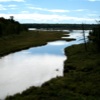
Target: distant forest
[[61, 26], [10, 26]]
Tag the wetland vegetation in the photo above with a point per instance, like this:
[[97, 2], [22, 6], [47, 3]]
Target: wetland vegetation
[[14, 40], [81, 80], [27, 39]]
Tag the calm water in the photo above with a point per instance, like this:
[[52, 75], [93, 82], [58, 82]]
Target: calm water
[[33, 67]]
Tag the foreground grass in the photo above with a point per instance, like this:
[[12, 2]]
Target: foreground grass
[[81, 79], [25, 40]]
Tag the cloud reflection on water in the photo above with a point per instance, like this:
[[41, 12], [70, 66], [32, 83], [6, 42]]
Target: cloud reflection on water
[[18, 72], [57, 43], [34, 66]]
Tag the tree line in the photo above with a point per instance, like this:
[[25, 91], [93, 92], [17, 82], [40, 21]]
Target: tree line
[[10, 26], [94, 37], [59, 26]]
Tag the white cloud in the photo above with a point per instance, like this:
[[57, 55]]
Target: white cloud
[[37, 8], [12, 5], [80, 10], [11, 0], [48, 18], [56, 10], [93, 0], [2, 7], [25, 12], [59, 10], [93, 15], [50, 10]]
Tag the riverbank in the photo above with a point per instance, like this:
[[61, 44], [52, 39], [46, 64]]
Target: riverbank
[[80, 82], [25, 40]]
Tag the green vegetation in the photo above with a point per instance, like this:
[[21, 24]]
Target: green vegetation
[[95, 37], [15, 37], [80, 82], [10, 27], [27, 39]]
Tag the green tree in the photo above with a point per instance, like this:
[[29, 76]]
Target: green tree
[[94, 36], [0, 30], [10, 26]]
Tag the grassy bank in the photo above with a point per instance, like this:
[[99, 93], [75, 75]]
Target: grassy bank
[[81, 79], [25, 40]]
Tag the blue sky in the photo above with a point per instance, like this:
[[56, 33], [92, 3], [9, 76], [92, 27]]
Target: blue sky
[[51, 11]]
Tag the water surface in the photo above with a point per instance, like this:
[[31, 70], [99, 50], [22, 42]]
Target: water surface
[[33, 67]]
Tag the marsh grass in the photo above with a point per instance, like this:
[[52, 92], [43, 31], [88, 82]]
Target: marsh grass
[[81, 80], [25, 40]]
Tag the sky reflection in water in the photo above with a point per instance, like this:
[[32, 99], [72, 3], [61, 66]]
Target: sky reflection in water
[[32, 67]]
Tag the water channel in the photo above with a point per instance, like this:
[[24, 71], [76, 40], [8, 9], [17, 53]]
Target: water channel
[[33, 67]]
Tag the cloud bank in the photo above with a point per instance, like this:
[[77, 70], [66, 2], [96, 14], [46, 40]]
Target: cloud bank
[[93, 0], [12, 0], [47, 17]]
